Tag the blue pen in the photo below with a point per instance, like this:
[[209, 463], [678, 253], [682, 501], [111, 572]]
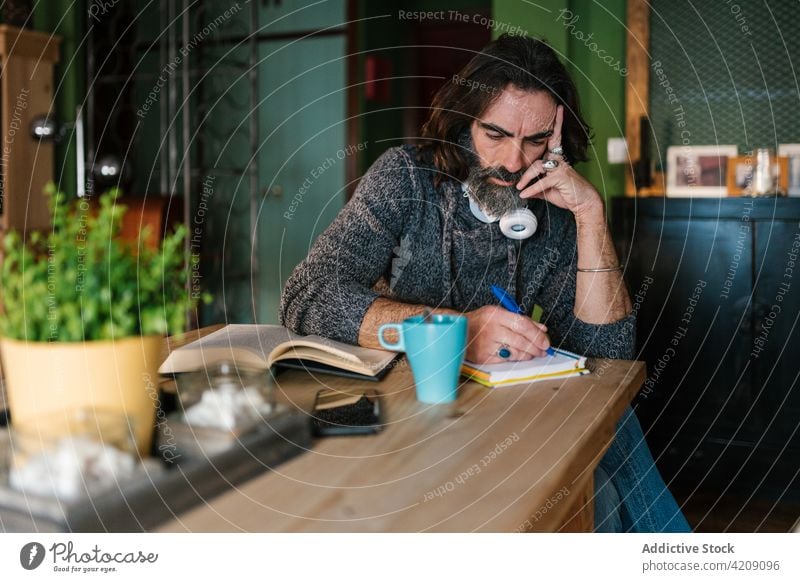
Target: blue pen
[[509, 303]]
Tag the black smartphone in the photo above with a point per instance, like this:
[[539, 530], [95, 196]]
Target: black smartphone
[[350, 412]]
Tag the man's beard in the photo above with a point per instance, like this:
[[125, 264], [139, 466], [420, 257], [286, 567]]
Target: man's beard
[[494, 199]]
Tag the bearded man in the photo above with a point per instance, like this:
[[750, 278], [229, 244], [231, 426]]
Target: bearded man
[[487, 197]]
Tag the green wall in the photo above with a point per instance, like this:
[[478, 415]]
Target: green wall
[[566, 25], [537, 19]]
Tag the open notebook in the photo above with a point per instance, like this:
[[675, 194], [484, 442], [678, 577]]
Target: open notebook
[[262, 346], [560, 365]]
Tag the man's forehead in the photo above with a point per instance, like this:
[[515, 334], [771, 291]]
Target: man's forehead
[[535, 111]]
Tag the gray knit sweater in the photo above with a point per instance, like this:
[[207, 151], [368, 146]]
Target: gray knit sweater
[[405, 239]]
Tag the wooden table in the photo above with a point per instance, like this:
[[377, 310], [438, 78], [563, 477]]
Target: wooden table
[[519, 458]]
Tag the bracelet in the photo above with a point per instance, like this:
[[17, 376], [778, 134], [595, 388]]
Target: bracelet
[[605, 270]]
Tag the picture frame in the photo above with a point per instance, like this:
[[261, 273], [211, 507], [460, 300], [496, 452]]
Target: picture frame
[[698, 170], [740, 173], [792, 153]]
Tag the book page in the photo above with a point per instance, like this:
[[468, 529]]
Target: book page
[[262, 345], [258, 339], [372, 359], [245, 344]]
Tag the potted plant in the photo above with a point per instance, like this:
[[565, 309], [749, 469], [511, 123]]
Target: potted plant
[[85, 314]]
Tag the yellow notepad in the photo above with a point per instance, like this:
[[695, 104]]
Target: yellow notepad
[[560, 365]]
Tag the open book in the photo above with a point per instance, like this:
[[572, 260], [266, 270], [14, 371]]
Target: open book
[[262, 346], [560, 365]]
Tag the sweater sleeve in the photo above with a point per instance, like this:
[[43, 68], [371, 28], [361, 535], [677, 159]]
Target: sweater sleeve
[[614, 340], [330, 291]]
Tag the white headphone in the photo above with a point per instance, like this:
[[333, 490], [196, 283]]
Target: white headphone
[[518, 224]]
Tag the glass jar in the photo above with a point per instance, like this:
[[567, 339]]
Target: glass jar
[[72, 454], [226, 397], [764, 180]]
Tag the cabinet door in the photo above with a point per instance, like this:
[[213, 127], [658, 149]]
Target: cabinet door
[[776, 334], [302, 154], [691, 282]]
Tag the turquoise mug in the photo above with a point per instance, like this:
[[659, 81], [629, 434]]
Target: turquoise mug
[[435, 351]]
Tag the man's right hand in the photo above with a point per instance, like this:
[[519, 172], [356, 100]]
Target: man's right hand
[[492, 327]]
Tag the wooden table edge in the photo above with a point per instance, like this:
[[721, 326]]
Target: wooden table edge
[[577, 515]]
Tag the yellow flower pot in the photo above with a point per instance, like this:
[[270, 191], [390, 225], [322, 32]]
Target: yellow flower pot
[[45, 378]]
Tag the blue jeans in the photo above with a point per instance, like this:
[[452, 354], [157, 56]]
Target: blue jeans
[[630, 495]]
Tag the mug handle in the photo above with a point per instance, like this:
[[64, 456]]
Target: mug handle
[[400, 346]]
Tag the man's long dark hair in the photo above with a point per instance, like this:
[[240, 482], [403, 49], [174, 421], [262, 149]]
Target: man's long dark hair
[[526, 63]]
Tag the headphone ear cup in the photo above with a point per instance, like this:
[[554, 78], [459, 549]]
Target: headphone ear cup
[[519, 224], [478, 212]]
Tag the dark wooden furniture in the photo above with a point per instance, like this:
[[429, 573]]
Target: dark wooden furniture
[[716, 283], [27, 59]]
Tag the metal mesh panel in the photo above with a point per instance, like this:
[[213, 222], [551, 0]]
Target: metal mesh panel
[[731, 67]]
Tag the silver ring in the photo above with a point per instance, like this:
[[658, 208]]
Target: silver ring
[[558, 150], [550, 165], [503, 352]]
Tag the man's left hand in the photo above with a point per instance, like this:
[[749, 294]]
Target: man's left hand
[[562, 185]]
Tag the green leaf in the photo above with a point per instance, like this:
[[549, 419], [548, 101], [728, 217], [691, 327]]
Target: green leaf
[[79, 281]]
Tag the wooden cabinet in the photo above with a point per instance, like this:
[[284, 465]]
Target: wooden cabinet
[[716, 283], [26, 91]]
